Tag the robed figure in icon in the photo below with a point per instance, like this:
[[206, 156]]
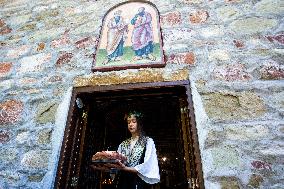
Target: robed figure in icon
[[142, 35], [116, 36]]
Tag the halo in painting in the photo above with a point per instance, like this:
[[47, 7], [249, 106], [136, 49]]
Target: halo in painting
[[130, 38]]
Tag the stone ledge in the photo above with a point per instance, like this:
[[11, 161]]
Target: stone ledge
[[133, 76]]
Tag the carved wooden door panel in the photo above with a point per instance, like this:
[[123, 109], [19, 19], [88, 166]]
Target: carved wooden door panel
[[73, 144], [187, 145]]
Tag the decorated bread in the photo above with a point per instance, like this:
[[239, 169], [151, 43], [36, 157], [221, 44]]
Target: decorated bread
[[109, 155]]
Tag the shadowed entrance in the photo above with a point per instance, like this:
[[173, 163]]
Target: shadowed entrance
[[102, 127]]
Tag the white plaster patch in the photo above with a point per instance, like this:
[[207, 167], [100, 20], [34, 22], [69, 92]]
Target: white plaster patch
[[270, 7], [274, 150], [23, 137], [247, 133], [33, 63], [213, 31], [56, 139], [201, 117], [17, 52], [219, 54]]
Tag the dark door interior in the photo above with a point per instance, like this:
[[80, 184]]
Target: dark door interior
[[100, 125], [107, 129]]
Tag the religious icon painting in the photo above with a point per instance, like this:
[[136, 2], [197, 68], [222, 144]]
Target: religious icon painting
[[130, 38]]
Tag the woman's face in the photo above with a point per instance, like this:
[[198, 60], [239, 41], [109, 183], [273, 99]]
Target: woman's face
[[132, 124]]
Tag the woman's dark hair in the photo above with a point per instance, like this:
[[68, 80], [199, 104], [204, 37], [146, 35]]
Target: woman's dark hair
[[139, 119]]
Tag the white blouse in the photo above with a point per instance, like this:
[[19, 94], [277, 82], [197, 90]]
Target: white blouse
[[149, 169]]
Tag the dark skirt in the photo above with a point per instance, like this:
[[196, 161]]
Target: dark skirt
[[128, 180]]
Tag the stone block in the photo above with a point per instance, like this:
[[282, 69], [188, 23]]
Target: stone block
[[211, 31], [232, 72], [30, 26], [56, 23], [276, 38], [233, 106], [86, 42], [281, 129], [18, 20], [246, 133], [64, 59], [229, 183], [182, 58], [8, 155], [5, 30], [43, 137], [36, 159], [225, 158], [269, 7], [55, 78], [27, 81], [255, 181], [272, 71], [219, 55], [36, 177], [4, 136], [45, 14], [17, 52], [11, 176], [214, 139], [23, 137], [40, 46], [239, 43], [272, 150], [177, 34], [134, 76], [44, 35], [2, 23], [64, 40], [90, 27], [171, 19], [233, 1], [227, 13], [198, 16], [6, 84], [260, 165], [5, 68], [252, 25], [191, 1], [46, 112], [276, 101], [33, 63], [10, 111]]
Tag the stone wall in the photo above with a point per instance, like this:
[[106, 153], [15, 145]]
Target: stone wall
[[232, 50]]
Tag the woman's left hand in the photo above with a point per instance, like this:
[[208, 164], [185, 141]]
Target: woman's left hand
[[121, 165]]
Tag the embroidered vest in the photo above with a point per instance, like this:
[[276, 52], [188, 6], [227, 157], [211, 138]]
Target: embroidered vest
[[134, 156]]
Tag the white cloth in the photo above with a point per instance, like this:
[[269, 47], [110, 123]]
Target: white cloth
[[149, 169]]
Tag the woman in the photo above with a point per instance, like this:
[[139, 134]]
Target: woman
[[141, 168]]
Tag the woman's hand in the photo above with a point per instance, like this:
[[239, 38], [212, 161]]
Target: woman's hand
[[125, 168], [121, 165]]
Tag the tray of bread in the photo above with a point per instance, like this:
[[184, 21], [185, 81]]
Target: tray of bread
[[112, 157]]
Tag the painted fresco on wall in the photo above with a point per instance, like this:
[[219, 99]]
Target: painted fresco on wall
[[130, 38]]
